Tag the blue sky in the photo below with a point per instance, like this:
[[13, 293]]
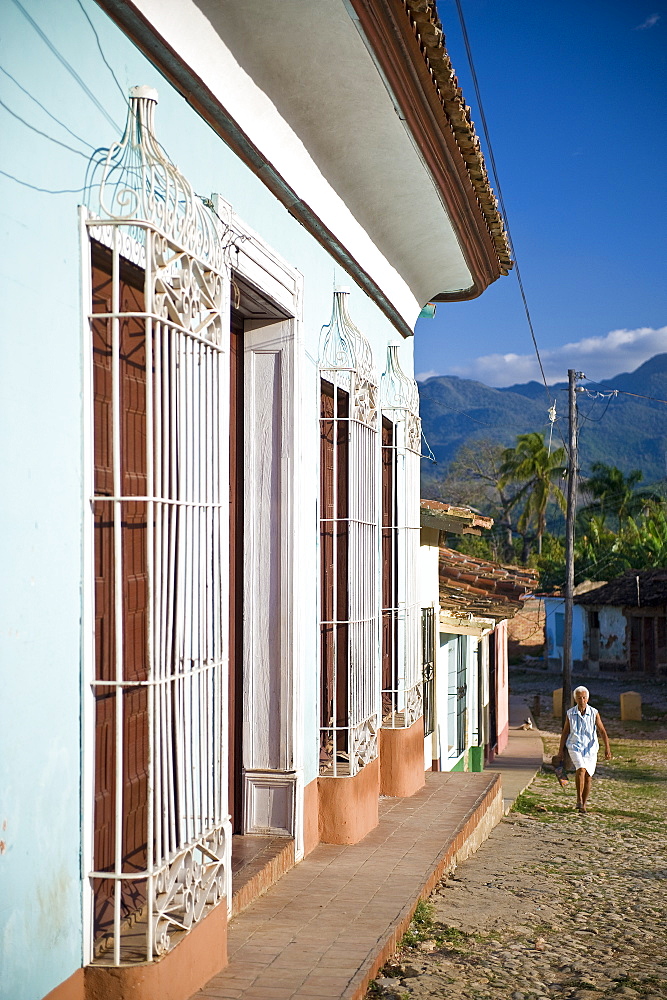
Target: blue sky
[[575, 96]]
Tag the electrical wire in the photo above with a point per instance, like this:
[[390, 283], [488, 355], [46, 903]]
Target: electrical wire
[[121, 89], [101, 51], [34, 187], [596, 420], [625, 392], [45, 135], [501, 200], [45, 109], [67, 65]]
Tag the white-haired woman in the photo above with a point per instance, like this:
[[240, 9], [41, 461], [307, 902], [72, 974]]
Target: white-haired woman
[[580, 735]]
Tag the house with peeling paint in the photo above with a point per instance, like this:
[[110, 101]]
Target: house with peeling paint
[[223, 221], [626, 623]]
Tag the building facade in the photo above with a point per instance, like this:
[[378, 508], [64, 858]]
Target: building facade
[[466, 680], [222, 234], [626, 623]]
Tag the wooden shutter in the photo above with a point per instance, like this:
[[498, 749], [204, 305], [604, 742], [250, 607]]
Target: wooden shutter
[[389, 575], [334, 476], [132, 410]]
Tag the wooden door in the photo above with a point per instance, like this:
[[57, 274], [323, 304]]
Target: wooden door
[[236, 540]]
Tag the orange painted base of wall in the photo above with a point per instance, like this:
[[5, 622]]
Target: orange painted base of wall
[[402, 760], [311, 817], [72, 989], [197, 958], [348, 807]]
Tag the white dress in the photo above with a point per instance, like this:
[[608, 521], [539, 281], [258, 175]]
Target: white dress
[[582, 742]]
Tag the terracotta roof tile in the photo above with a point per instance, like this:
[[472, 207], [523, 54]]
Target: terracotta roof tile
[[483, 588], [426, 23], [636, 588]]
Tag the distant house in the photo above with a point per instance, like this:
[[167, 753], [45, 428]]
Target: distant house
[[554, 626], [468, 601], [478, 598], [626, 623], [452, 683]]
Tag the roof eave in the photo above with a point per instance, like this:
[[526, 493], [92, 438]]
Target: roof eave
[[408, 45]]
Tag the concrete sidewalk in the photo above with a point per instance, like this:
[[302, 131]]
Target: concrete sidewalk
[[331, 922], [523, 756], [326, 928]]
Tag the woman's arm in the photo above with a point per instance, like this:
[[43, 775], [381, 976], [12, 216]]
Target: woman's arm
[[563, 736], [603, 733]]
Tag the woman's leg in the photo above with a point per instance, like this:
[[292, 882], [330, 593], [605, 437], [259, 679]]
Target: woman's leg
[[586, 790], [579, 784]]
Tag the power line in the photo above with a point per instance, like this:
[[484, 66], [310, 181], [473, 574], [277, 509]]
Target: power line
[[67, 65], [34, 187], [99, 46], [121, 89], [625, 392], [501, 200], [596, 420], [45, 109], [45, 135]]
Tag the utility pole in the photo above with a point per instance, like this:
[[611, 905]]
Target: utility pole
[[573, 469]]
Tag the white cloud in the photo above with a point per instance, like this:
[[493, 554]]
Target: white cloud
[[599, 357], [650, 22]]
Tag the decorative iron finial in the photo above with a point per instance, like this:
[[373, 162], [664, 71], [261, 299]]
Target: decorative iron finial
[[135, 181], [397, 391], [342, 346]]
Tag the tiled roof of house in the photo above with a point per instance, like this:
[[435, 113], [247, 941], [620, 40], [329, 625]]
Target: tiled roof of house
[[487, 589], [581, 588], [458, 520], [428, 29], [636, 588]]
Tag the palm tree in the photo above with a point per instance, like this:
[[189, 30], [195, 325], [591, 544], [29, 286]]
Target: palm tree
[[530, 464], [615, 494]]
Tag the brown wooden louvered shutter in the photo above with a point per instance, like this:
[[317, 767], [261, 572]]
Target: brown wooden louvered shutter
[[132, 405], [334, 476], [389, 554]]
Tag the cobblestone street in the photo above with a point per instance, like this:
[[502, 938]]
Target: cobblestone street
[[555, 904]]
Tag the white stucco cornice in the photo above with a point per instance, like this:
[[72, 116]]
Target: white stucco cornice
[[295, 90]]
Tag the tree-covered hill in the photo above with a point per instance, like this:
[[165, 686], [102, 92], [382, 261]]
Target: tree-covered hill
[[625, 431]]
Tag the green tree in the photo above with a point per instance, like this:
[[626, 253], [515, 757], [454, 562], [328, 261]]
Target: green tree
[[530, 466], [614, 494], [598, 552], [551, 563], [644, 541], [641, 543], [474, 480]]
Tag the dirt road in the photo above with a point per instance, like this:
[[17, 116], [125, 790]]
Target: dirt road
[[555, 904]]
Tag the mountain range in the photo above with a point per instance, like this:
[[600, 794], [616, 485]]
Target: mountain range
[[623, 430]]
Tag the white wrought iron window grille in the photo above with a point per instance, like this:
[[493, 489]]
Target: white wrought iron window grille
[[349, 624], [402, 680], [159, 344]]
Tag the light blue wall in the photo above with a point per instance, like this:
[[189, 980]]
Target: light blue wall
[[41, 503], [553, 607]]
